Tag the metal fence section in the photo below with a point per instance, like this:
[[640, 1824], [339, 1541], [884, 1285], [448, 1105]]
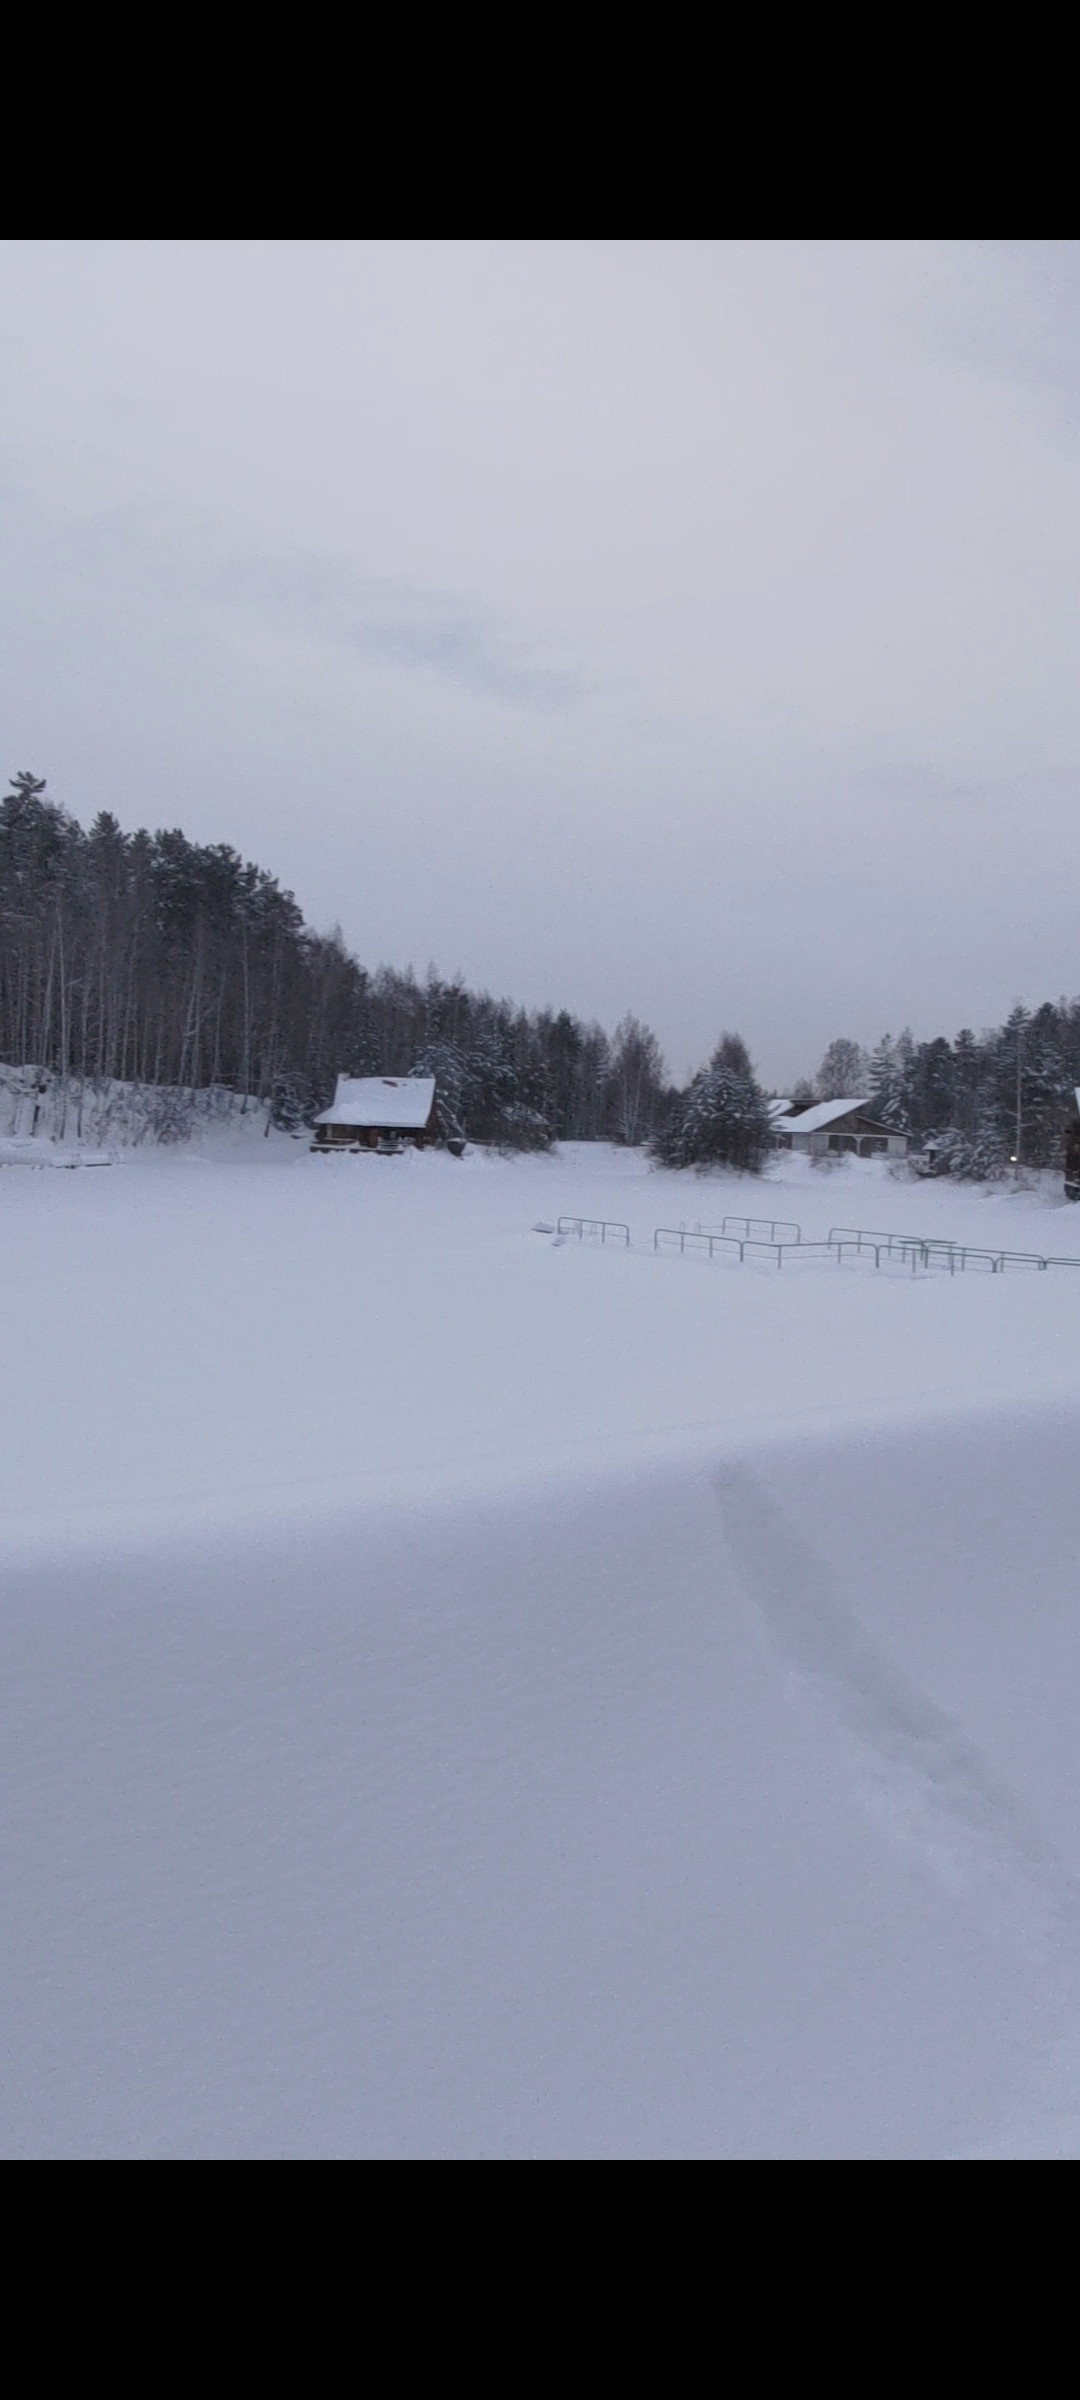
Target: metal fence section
[[591, 1227], [742, 1246], [756, 1248], [765, 1229], [847, 1244], [680, 1237], [865, 1233], [934, 1251], [905, 1247], [765, 1241], [860, 1247]]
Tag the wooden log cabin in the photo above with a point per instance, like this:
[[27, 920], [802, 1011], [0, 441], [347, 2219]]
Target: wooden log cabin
[[378, 1112]]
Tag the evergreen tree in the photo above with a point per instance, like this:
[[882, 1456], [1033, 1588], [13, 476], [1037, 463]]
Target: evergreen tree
[[723, 1119]]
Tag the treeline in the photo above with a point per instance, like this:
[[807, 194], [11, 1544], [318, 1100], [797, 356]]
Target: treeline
[[977, 1102], [147, 959], [150, 959]]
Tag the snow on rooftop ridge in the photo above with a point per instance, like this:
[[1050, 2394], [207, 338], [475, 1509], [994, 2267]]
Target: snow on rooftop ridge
[[810, 1120], [399, 1102]]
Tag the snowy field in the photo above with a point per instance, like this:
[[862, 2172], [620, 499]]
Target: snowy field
[[470, 1694]]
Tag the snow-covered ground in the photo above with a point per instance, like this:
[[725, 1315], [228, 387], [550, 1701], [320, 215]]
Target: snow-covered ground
[[470, 1694]]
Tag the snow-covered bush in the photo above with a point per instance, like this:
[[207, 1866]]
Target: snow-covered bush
[[521, 1128], [979, 1157]]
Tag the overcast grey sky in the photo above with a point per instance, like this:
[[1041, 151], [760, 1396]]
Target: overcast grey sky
[[690, 628]]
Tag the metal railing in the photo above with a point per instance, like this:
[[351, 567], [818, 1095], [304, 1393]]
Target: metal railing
[[895, 1253], [935, 1251], [710, 1243], [766, 1229], [922, 1253], [724, 1244], [590, 1227], [756, 1247], [864, 1233], [908, 1248]]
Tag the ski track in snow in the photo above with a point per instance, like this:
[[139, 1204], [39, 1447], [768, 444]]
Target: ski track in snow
[[924, 1783]]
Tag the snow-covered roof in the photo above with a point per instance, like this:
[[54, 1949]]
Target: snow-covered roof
[[779, 1108], [811, 1120], [400, 1102]]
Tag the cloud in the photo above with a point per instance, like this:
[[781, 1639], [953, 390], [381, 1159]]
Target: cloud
[[178, 559], [424, 631]]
